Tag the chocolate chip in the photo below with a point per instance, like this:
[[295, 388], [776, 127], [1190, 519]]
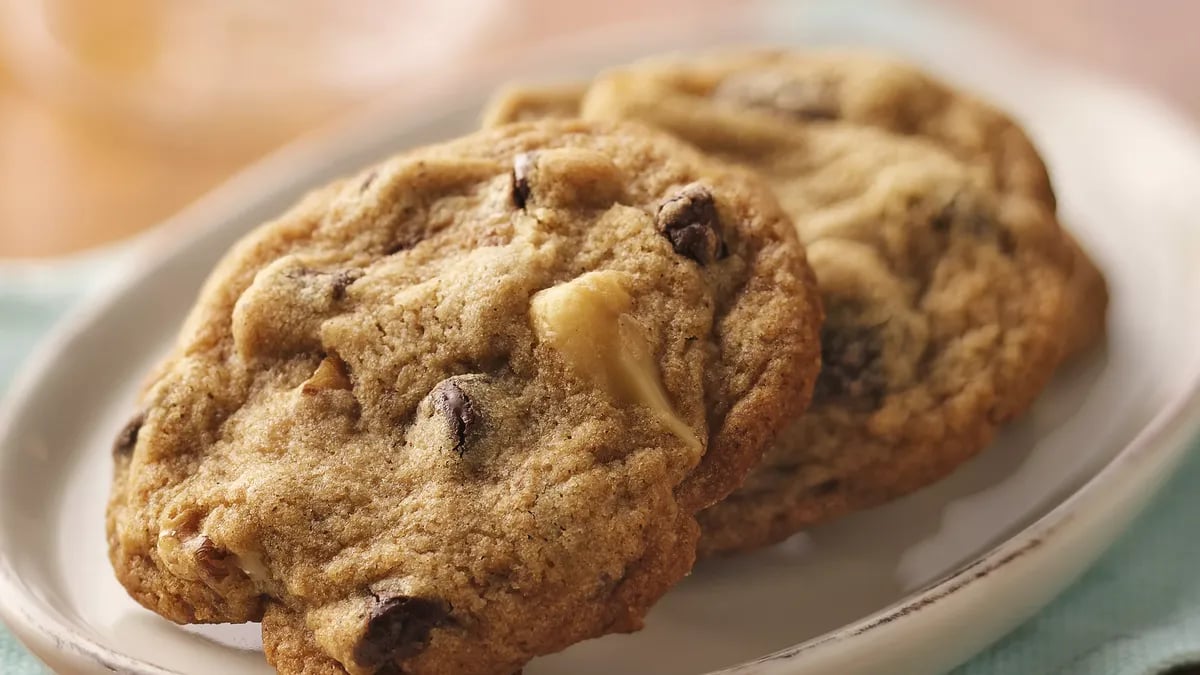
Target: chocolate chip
[[213, 560], [371, 176], [974, 221], [943, 219], [825, 488], [398, 627], [300, 273], [1008, 243], [983, 225], [779, 92], [403, 244], [343, 279], [689, 220], [522, 173], [128, 435], [851, 367], [338, 281], [458, 410]]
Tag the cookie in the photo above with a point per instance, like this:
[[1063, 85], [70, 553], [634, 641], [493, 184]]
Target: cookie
[[947, 309], [533, 101], [846, 87], [951, 291], [1088, 292], [883, 93], [460, 410]]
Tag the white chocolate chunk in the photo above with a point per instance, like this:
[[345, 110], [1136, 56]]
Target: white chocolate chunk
[[587, 321], [252, 564]]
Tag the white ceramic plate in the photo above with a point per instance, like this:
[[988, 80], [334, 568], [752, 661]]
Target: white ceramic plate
[[913, 587]]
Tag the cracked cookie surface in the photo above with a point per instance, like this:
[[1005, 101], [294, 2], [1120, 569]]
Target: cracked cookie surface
[[950, 289], [461, 410]]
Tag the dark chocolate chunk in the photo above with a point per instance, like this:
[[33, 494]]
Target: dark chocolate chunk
[[338, 281], [458, 410], [300, 273], [984, 225], [366, 184], [959, 214], [943, 219], [128, 435], [851, 367], [398, 627], [802, 98], [213, 560], [689, 220], [403, 244], [343, 279], [825, 487], [390, 668], [522, 173]]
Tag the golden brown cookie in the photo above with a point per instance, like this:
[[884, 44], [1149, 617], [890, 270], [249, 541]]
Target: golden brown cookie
[[460, 410], [951, 291], [856, 88], [526, 102]]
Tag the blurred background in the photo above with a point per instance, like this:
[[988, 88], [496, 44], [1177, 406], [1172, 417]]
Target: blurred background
[[116, 113]]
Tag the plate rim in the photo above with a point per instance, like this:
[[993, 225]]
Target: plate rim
[[1159, 446]]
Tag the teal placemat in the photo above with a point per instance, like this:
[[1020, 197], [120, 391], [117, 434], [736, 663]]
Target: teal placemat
[[1136, 612]]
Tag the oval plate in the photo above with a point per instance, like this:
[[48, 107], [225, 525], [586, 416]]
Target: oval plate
[[914, 587]]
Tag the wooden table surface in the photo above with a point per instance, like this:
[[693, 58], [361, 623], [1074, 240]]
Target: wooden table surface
[[75, 175]]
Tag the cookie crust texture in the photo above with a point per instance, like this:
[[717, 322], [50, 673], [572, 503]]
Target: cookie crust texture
[[461, 409]]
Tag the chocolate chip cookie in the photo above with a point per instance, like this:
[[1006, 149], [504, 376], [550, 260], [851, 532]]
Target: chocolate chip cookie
[[846, 88], [951, 291], [875, 91], [522, 102], [461, 410]]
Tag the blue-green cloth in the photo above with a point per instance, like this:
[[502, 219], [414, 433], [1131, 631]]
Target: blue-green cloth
[[1136, 612]]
